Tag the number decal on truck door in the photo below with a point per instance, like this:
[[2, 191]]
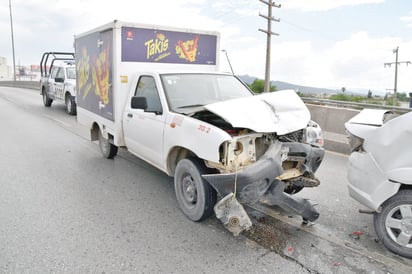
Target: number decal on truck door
[[204, 129]]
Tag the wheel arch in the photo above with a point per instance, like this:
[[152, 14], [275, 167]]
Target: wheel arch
[[94, 132], [175, 155]]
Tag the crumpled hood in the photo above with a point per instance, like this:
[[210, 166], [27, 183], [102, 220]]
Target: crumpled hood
[[281, 112]]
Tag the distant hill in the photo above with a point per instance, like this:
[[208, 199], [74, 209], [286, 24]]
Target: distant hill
[[303, 89], [247, 79]]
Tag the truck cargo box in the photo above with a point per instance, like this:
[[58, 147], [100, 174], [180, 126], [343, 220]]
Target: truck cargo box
[[108, 56]]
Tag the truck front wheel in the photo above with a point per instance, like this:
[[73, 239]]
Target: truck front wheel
[[195, 196], [70, 104], [46, 100], [106, 147]]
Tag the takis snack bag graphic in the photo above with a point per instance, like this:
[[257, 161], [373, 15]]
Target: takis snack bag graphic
[[101, 67], [83, 73], [187, 50]]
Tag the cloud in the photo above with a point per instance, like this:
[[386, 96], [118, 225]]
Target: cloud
[[356, 62], [407, 19], [323, 5], [361, 59], [247, 12], [39, 26]]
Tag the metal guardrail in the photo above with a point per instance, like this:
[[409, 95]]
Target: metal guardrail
[[353, 105]]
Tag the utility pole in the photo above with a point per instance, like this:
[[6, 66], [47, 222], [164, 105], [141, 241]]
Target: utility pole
[[396, 63], [12, 44], [269, 34]]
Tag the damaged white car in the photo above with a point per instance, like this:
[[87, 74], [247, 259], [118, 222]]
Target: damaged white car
[[380, 174]]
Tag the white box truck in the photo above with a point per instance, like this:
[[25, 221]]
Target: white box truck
[[157, 92]]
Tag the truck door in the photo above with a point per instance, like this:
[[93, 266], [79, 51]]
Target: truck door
[[59, 84], [51, 82], [143, 128]]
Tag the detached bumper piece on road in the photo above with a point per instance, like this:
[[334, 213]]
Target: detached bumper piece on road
[[265, 181]]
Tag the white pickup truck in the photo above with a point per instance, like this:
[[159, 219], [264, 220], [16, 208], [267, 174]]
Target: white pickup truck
[[157, 92], [58, 79]]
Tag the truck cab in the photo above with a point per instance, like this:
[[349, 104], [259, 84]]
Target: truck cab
[[58, 81]]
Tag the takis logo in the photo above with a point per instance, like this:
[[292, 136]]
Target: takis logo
[[157, 46]]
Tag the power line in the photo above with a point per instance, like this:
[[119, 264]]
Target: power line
[[228, 9]]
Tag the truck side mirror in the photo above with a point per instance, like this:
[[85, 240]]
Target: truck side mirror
[[59, 80], [139, 103]]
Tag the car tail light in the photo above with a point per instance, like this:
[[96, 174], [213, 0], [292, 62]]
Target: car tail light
[[355, 142]]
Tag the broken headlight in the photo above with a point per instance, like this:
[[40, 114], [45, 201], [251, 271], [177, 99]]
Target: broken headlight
[[313, 134]]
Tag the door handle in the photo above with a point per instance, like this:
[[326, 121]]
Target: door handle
[[129, 115]]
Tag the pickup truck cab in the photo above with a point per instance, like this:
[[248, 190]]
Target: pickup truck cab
[[58, 81], [157, 93]]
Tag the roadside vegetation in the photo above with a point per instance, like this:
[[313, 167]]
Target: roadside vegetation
[[258, 86], [369, 99]]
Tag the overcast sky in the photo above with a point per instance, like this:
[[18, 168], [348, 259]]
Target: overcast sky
[[322, 43]]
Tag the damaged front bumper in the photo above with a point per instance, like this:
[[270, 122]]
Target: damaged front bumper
[[265, 181]]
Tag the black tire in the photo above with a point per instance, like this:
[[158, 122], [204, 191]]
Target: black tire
[[194, 195], [107, 149], [293, 189], [46, 100], [393, 224], [70, 104]]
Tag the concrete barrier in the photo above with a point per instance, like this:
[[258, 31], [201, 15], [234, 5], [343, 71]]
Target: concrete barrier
[[21, 84], [332, 121]]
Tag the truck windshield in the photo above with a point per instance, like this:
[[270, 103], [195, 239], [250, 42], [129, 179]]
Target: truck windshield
[[195, 90]]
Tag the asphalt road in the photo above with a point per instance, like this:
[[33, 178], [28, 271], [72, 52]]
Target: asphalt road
[[65, 209]]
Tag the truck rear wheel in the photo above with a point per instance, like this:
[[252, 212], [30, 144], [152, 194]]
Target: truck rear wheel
[[70, 105], [107, 149], [46, 100], [195, 196]]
